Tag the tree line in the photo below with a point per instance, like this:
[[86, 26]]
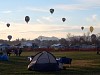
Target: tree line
[[70, 40]]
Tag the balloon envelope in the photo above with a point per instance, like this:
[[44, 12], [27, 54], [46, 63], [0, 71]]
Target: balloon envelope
[[51, 11], [27, 18], [93, 36], [63, 19], [8, 24], [82, 28], [91, 29], [9, 37]]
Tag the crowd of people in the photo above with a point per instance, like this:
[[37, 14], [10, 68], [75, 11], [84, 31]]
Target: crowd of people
[[15, 51], [6, 52]]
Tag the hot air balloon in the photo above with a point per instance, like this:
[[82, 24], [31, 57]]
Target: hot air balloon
[[93, 38], [51, 11], [8, 24], [91, 29], [82, 28], [27, 18], [9, 37], [63, 19]]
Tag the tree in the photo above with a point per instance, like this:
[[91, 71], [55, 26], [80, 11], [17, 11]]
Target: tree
[[64, 42]]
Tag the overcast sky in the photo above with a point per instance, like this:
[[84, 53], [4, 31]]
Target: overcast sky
[[78, 13]]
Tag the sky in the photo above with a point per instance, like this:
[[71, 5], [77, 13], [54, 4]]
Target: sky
[[78, 13]]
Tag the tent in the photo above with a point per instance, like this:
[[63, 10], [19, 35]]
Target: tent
[[43, 61], [3, 57], [3, 54]]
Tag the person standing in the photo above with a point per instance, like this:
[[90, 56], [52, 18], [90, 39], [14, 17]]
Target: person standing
[[16, 52], [19, 51], [98, 49]]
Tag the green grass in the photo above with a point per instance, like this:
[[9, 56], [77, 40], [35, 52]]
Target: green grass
[[83, 63]]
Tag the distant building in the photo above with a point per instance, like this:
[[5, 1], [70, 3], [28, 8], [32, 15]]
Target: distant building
[[41, 38], [27, 45], [57, 46]]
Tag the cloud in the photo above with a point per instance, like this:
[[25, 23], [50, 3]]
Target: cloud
[[80, 5], [31, 31], [36, 9], [92, 18], [22, 27], [44, 19], [71, 7], [6, 12], [39, 21], [49, 18], [76, 6], [90, 1]]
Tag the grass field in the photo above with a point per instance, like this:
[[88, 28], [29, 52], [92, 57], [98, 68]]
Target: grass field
[[83, 63]]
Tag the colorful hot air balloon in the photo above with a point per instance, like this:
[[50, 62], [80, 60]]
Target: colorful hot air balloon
[[82, 28], [63, 19], [9, 37], [51, 11], [8, 24], [27, 18], [91, 29]]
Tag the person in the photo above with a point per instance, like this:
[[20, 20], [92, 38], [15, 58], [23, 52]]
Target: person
[[97, 49], [1, 52], [16, 52], [8, 52], [19, 51]]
